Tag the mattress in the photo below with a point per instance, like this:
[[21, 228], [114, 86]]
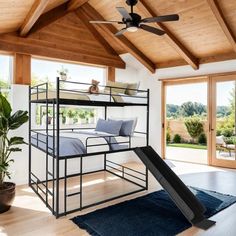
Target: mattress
[[119, 98], [74, 143]]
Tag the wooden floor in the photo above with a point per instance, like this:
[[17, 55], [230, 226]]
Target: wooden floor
[[29, 216]]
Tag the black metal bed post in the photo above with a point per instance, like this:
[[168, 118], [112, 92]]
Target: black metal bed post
[[53, 162], [147, 131], [29, 181], [105, 155], [81, 183], [47, 144], [57, 145]]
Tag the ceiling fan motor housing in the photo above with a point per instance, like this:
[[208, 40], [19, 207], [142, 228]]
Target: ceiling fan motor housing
[[135, 20], [131, 2]]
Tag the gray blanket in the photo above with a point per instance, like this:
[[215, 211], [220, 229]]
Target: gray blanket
[[72, 146]]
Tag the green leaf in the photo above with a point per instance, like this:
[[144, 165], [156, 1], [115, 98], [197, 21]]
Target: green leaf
[[5, 107], [16, 141], [14, 149], [3, 167], [18, 119], [3, 123]]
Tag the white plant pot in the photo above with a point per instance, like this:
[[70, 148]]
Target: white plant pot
[[69, 121], [83, 121], [44, 120], [91, 120]]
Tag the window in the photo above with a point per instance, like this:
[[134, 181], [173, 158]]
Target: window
[[6, 69], [47, 71]]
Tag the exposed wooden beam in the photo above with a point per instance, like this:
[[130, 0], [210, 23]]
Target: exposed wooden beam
[[74, 4], [12, 43], [85, 19], [111, 73], [122, 40], [223, 24], [170, 38], [22, 69], [204, 60], [50, 17], [33, 15]]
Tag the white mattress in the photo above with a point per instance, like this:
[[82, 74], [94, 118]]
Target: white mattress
[[90, 97]]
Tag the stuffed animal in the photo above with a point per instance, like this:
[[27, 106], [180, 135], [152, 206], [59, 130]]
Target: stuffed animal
[[94, 87]]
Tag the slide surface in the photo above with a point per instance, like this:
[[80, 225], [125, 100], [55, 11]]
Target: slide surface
[[184, 199]]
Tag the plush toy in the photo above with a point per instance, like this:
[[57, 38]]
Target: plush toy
[[94, 87]]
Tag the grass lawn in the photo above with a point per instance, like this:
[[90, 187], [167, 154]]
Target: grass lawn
[[187, 145]]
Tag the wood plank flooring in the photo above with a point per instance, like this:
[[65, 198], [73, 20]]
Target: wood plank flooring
[[29, 216]]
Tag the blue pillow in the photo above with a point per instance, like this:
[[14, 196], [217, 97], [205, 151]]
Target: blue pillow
[[109, 126], [126, 127]]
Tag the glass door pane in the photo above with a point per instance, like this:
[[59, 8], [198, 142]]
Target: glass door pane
[[224, 123], [186, 124]]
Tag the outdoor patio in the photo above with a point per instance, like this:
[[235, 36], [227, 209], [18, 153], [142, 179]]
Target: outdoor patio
[[193, 155]]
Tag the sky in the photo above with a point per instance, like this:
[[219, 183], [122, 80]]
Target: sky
[[178, 94]]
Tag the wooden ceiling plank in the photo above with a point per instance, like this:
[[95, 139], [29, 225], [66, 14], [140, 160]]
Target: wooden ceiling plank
[[75, 4], [216, 10], [49, 17], [122, 40], [33, 15], [85, 19], [170, 38]]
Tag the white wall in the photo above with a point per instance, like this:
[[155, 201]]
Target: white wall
[[134, 72], [19, 169]]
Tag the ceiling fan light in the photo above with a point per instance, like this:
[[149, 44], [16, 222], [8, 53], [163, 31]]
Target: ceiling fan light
[[132, 29]]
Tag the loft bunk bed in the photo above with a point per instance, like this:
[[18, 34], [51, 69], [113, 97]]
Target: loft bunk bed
[[52, 186]]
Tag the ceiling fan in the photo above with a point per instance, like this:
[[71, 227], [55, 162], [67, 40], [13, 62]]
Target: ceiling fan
[[133, 21]]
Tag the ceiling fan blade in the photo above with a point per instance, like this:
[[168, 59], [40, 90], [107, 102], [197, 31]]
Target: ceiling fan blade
[[105, 22], [152, 30], [125, 14], [173, 17], [120, 32]]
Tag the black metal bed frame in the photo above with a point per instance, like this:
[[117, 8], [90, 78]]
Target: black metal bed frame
[[53, 177]]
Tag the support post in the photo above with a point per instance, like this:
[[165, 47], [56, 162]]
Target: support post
[[111, 74], [29, 181], [57, 146], [22, 69], [147, 131], [47, 144]]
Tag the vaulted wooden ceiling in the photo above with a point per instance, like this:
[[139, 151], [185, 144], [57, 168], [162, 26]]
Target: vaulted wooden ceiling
[[205, 32]]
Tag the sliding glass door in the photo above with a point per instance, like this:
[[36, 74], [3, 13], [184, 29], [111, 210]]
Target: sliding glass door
[[223, 121], [199, 120], [185, 123]]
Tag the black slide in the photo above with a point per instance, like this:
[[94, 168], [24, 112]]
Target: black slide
[[184, 199]]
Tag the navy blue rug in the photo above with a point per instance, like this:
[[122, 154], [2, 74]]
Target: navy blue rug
[[151, 215]]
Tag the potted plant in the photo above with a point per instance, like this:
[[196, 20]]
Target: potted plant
[[8, 122], [91, 117], [82, 117], [63, 72], [70, 117]]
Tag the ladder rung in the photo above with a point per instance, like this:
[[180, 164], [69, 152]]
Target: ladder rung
[[50, 192], [72, 194]]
